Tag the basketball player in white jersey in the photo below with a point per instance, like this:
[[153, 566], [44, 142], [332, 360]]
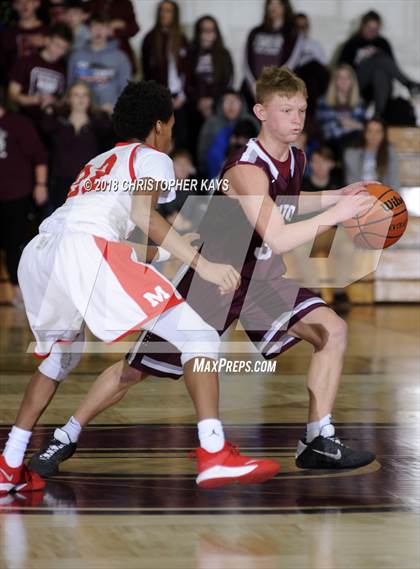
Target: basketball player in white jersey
[[79, 269], [275, 312]]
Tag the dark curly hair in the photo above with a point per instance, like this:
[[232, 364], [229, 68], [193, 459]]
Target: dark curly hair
[[139, 107], [61, 31]]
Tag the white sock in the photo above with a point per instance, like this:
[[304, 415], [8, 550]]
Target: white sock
[[211, 435], [16, 445], [313, 429], [72, 428]]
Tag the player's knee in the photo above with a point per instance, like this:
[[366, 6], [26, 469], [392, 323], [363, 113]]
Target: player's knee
[[337, 333], [64, 357], [204, 343], [59, 364], [194, 337]]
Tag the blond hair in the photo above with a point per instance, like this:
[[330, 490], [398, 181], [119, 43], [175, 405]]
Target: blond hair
[[278, 81], [331, 98]]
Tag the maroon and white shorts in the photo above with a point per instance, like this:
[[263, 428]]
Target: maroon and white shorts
[[265, 309]]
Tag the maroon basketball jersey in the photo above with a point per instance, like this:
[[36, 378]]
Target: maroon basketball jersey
[[228, 235]]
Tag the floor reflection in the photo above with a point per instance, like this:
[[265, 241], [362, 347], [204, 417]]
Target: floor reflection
[[115, 474]]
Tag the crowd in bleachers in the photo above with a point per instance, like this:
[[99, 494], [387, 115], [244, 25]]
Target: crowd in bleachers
[[63, 64]]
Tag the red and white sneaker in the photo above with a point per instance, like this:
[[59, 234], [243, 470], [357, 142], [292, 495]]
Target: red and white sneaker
[[14, 501], [228, 466], [19, 479]]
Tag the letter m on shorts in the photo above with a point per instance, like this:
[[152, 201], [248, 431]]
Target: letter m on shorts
[[156, 297]]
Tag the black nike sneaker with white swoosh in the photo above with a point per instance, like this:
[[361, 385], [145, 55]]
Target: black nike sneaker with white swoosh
[[327, 451], [59, 448]]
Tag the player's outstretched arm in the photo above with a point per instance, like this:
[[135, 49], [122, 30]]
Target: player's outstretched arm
[[144, 215], [249, 184], [310, 202], [149, 253]]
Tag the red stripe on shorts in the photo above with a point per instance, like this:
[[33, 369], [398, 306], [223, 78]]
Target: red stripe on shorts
[[138, 279]]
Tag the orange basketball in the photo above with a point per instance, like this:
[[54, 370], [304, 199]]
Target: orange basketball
[[382, 224]]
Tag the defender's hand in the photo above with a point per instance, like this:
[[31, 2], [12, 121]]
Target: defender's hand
[[190, 237], [225, 277]]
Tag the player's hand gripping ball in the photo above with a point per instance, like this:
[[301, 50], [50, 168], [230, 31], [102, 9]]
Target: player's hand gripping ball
[[382, 224]]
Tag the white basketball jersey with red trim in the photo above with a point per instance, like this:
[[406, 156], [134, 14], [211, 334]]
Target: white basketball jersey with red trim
[[99, 200]]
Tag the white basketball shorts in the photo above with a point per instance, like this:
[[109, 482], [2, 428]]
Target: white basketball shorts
[[69, 278]]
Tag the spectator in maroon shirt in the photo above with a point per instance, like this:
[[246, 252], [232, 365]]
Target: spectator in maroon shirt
[[165, 59], [211, 73], [122, 21], [76, 134], [24, 38], [275, 42], [38, 81], [211, 65], [23, 174]]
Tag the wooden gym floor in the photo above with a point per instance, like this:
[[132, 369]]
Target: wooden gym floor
[[127, 499]]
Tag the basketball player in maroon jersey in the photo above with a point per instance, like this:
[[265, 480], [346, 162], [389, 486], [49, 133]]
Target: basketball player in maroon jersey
[[264, 185]]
